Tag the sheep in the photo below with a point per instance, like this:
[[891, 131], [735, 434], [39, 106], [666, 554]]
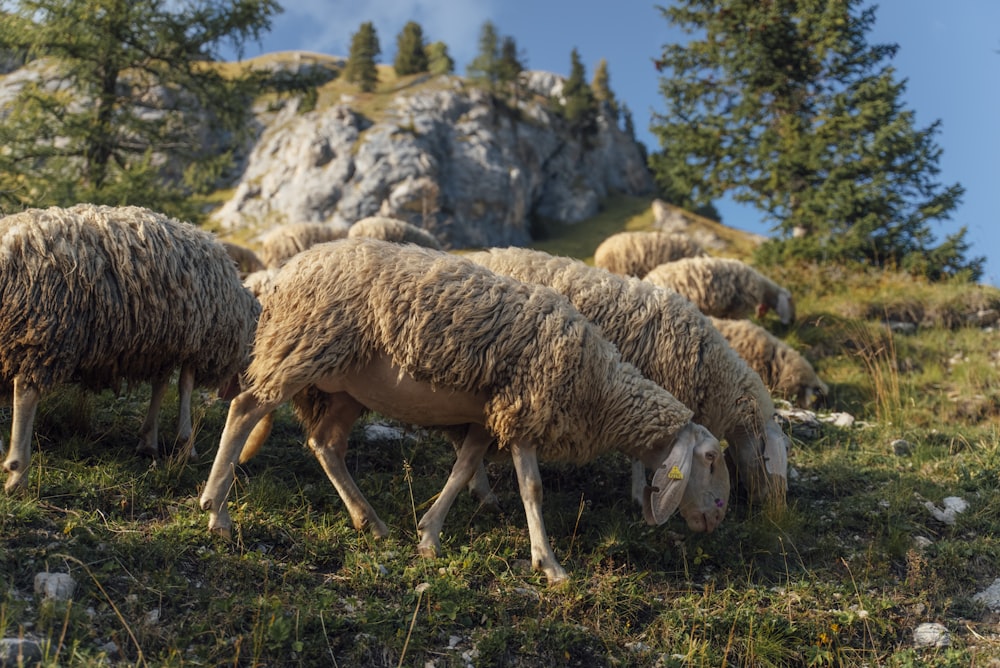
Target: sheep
[[246, 260], [281, 243], [97, 295], [432, 339], [675, 345], [391, 229], [636, 253], [783, 369], [724, 287]]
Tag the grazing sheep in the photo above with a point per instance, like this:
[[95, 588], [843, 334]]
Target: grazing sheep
[[724, 287], [281, 243], [432, 339], [246, 260], [636, 253], [391, 229], [783, 369], [675, 345], [97, 295]]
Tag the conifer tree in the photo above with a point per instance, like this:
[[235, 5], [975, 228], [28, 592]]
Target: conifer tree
[[786, 106], [365, 50], [128, 122], [438, 59], [601, 85], [580, 105], [485, 67], [411, 53]]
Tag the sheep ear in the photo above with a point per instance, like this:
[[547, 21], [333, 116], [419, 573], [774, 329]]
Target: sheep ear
[[669, 482]]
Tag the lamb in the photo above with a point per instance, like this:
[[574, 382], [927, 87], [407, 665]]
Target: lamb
[[281, 243], [432, 339], [783, 369], [391, 229], [637, 253], [675, 345], [724, 287], [97, 295]]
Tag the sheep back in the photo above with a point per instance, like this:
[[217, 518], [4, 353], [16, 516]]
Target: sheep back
[[392, 229], [97, 294], [283, 242], [634, 253], [720, 287], [545, 371]]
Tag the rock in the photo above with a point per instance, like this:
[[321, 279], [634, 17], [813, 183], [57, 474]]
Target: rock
[[19, 652], [990, 597], [953, 505], [901, 447], [55, 586], [931, 634]]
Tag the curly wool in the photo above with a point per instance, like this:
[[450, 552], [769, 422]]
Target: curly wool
[[544, 370], [391, 229], [637, 253], [783, 369], [246, 260], [280, 244], [97, 295], [658, 331], [720, 287]]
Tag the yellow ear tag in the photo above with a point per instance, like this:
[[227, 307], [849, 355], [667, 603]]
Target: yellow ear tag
[[675, 474], [723, 446]]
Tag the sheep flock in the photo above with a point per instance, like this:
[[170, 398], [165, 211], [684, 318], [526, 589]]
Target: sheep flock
[[522, 356]]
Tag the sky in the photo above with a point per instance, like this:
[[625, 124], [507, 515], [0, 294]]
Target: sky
[[949, 55]]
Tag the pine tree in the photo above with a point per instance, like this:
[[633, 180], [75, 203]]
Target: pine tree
[[785, 105], [128, 125], [411, 53], [484, 69], [438, 59], [511, 62], [601, 85], [365, 50], [580, 105]]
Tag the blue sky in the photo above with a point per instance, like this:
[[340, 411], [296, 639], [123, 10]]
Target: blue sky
[[949, 54]]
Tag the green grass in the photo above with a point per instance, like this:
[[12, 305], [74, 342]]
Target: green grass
[[836, 580]]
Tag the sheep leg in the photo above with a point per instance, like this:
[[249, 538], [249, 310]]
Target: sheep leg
[[257, 438], [639, 481], [470, 456], [244, 413], [149, 432], [481, 490], [328, 441], [185, 388], [26, 398], [529, 481]]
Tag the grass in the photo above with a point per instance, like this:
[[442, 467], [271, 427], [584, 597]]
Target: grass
[[839, 579]]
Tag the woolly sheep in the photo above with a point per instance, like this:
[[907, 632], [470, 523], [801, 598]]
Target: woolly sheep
[[246, 260], [98, 295], [724, 287], [636, 253], [284, 241], [432, 339], [391, 229], [783, 369], [675, 345]]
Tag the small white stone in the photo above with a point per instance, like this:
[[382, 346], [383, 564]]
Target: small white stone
[[990, 597], [931, 634], [58, 586]]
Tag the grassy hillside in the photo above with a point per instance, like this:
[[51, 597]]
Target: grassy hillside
[[841, 579]]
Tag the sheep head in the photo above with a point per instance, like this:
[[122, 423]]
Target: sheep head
[[692, 478]]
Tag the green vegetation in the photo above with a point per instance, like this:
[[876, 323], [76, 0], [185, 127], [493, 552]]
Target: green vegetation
[[365, 50], [786, 106], [411, 52], [837, 580]]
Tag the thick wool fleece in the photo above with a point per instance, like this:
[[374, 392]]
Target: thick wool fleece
[[720, 287], [545, 372], [658, 331], [97, 295], [391, 229], [280, 244], [637, 253]]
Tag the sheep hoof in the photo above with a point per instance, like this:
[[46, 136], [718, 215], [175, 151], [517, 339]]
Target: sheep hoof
[[223, 532], [16, 482], [429, 550], [147, 450]]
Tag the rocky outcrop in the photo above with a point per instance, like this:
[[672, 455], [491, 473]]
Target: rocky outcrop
[[450, 158]]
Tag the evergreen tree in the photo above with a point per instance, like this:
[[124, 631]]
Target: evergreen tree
[[411, 53], [511, 62], [484, 69], [438, 59], [579, 105], [784, 105], [601, 85], [365, 50], [134, 101]]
